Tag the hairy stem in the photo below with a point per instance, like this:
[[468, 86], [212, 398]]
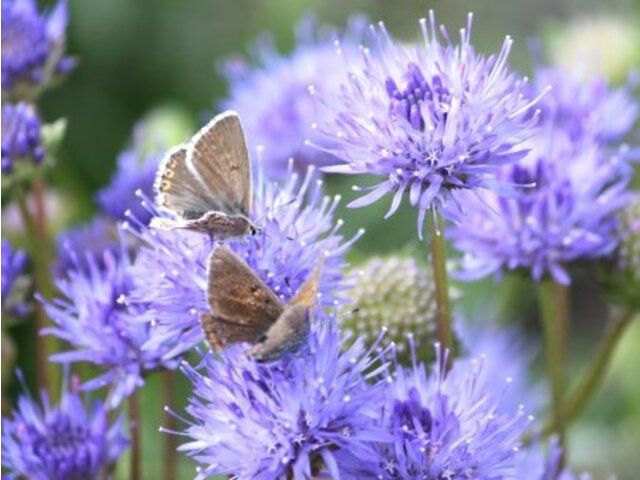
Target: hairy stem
[[554, 310], [170, 441], [438, 261]]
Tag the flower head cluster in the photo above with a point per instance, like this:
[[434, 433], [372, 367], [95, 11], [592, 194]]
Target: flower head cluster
[[135, 172], [273, 97], [94, 319], [570, 215], [21, 136], [32, 46], [13, 265], [296, 418], [447, 426], [170, 271], [71, 441], [586, 107], [396, 293], [428, 119]]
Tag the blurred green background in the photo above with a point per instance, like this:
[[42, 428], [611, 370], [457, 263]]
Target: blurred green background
[[137, 55]]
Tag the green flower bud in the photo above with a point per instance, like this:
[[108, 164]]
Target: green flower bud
[[396, 293]]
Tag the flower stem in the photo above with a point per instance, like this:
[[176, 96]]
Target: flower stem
[[134, 426], [170, 443], [35, 225], [613, 332], [554, 310], [438, 261]]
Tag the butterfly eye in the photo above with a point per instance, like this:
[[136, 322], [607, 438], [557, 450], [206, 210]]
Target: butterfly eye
[[262, 338], [253, 230]]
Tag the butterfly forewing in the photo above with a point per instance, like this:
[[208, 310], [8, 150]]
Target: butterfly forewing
[[218, 156], [237, 295], [177, 189]]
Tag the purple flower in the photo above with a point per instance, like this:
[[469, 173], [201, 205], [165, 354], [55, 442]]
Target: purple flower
[[92, 238], [170, 271], [534, 464], [94, 319], [21, 136], [134, 172], [272, 95], [428, 119], [586, 107], [32, 46], [301, 417], [571, 215], [13, 264], [71, 441], [447, 426]]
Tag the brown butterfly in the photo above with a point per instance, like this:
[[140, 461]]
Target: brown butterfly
[[206, 185], [244, 309]]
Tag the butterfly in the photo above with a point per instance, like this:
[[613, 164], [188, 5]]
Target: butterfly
[[244, 309], [206, 184]]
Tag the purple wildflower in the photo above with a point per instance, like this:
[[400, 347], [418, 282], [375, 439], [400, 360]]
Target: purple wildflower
[[302, 417], [92, 238], [429, 120], [71, 441], [32, 46], [21, 136], [534, 464], [101, 328], [170, 277], [134, 172], [13, 264], [586, 107], [272, 96], [571, 214], [447, 426]]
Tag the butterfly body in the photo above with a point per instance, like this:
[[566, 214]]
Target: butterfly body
[[244, 309], [206, 184]]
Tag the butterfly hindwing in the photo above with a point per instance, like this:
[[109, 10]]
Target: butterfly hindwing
[[308, 292], [178, 190], [237, 295], [218, 156], [221, 333]]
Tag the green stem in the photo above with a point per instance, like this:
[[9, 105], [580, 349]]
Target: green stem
[[613, 332], [554, 310], [170, 441], [46, 371], [438, 261], [134, 427]]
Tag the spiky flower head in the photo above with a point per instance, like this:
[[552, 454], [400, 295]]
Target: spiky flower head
[[271, 92], [74, 440], [32, 47], [570, 216], [447, 425], [301, 417], [586, 106], [14, 263], [170, 271], [21, 137], [92, 317], [428, 119], [396, 293]]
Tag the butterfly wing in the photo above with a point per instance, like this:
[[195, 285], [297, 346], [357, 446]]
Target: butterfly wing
[[218, 156], [308, 292], [237, 295], [221, 333], [178, 189]]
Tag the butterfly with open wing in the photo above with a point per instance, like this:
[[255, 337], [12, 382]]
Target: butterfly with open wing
[[244, 309], [206, 184]]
